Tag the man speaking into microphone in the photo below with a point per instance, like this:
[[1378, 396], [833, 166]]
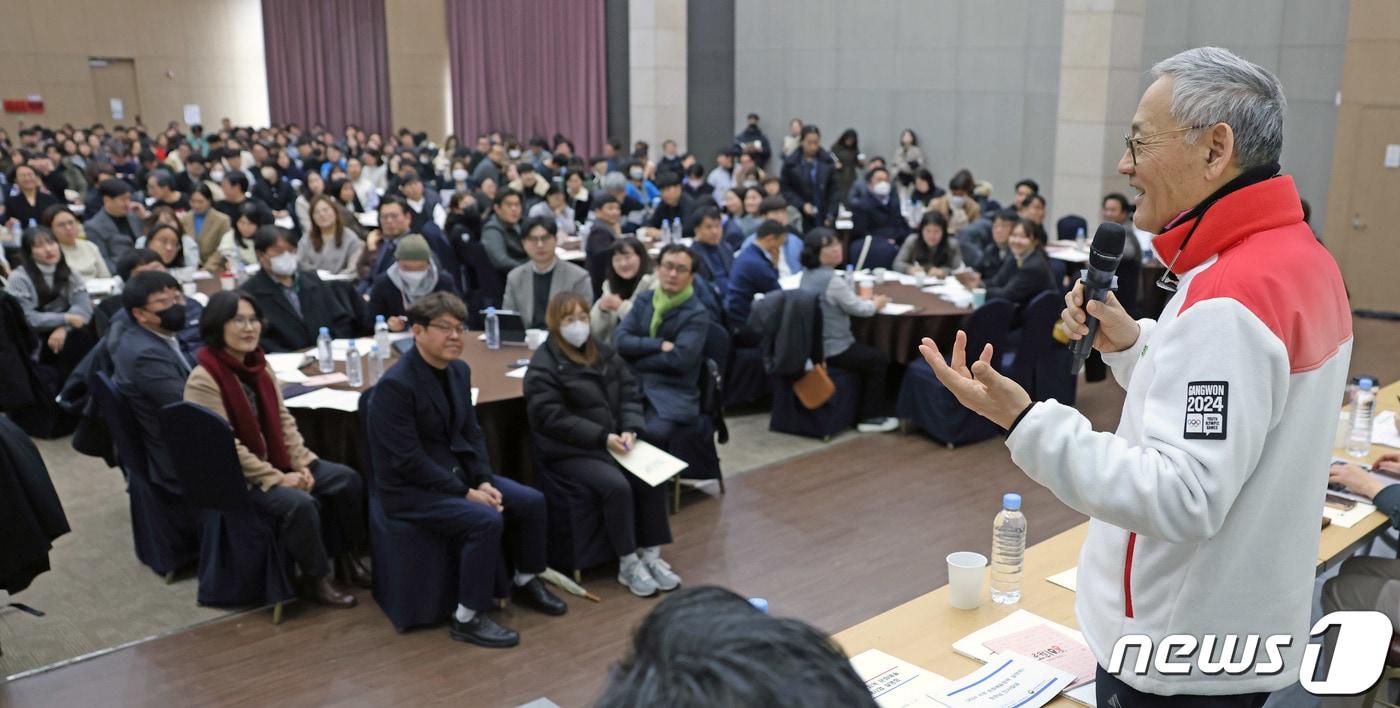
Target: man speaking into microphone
[[1206, 501]]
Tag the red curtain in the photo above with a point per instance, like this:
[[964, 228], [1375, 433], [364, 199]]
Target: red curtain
[[529, 68], [327, 62]]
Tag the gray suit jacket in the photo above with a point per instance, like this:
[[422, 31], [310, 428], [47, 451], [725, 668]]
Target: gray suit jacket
[[101, 229], [520, 295]]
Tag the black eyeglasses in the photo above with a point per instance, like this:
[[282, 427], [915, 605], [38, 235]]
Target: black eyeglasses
[[1140, 141], [448, 329]]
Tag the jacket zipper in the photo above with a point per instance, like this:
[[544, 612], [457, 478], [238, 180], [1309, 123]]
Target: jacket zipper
[[1128, 577]]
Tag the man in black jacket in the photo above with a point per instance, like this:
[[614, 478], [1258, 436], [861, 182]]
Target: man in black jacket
[[432, 470], [809, 179], [876, 211], [296, 303]]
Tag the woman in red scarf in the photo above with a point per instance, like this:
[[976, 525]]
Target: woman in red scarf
[[285, 480]]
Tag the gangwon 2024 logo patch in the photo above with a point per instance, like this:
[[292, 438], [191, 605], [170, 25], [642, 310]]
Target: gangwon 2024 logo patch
[[1207, 410]]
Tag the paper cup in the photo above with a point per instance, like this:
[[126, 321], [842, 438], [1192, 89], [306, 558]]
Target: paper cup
[[535, 337], [965, 572], [979, 297]]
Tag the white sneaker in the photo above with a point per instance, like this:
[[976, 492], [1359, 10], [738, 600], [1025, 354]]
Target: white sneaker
[[878, 425], [637, 579], [661, 574]]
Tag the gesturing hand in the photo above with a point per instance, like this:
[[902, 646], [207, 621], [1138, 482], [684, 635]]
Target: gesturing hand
[[979, 387]]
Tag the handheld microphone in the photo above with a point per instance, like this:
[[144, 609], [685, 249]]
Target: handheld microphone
[[1104, 255]]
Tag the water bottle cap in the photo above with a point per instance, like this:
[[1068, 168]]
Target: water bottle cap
[[374, 349], [759, 604], [1011, 502], [379, 318], [490, 310], [325, 330], [1365, 384]]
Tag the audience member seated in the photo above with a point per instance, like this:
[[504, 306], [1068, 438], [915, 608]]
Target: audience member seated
[[296, 303], [83, 256], [839, 302], [752, 214], [556, 207], [1032, 209], [877, 212], [500, 235], [286, 481], [775, 209], [424, 208], [55, 301], [755, 272], [643, 190], [160, 191], [695, 185], [330, 244], [207, 225], [116, 226], [675, 207], [251, 217], [116, 318], [411, 278], [629, 273], [663, 340], [957, 206], [150, 364], [1115, 210], [29, 198], [1024, 275], [530, 286], [174, 248], [431, 469], [999, 252], [772, 186], [583, 402], [1367, 582], [707, 646], [716, 259], [235, 186], [395, 218], [931, 251], [809, 179]]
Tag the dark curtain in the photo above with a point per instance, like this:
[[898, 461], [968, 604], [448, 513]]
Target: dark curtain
[[529, 68], [327, 62]]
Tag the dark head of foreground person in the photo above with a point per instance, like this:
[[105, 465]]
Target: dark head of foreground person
[[1204, 502], [432, 470], [707, 646]]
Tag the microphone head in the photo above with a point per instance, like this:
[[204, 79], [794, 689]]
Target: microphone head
[[1107, 248]]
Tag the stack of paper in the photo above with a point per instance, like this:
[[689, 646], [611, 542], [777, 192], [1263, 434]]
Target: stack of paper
[[1029, 634], [327, 398], [952, 291], [1010, 681], [1068, 579], [1347, 518], [99, 286], [790, 282], [894, 683], [287, 367], [1383, 430], [649, 463], [895, 308]]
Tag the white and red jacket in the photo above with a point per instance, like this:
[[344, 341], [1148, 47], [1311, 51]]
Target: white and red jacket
[[1206, 503]]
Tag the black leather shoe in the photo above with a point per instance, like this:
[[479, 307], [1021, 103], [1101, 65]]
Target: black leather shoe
[[484, 632], [537, 597]]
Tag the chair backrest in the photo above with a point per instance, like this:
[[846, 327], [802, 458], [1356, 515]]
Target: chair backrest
[[1037, 337], [131, 449], [881, 253], [1068, 227], [201, 448], [362, 424], [490, 287], [989, 324]]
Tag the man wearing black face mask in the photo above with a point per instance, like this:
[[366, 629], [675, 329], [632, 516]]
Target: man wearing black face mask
[[150, 364]]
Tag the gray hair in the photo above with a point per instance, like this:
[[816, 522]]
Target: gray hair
[[1213, 85], [614, 182]]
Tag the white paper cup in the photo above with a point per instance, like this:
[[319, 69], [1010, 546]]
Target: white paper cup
[[979, 297], [965, 573], [535, 337], [190, 289]]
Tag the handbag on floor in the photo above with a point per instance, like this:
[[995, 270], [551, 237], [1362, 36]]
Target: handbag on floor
[[814, 388]]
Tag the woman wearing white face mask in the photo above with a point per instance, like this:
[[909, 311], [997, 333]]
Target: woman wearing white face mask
[[877, 212], [584, 403], [958, 206], [412, 276]]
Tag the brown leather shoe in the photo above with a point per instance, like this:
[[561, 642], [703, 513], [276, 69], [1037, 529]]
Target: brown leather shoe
[[328, 594]]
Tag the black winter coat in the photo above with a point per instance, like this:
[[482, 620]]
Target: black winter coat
[[31, 516], [573, 408]]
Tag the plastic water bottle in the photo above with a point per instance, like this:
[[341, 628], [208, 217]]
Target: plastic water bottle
[[760, 604], [493, 329], [676, 230], [381, 338], [1008, 550], [324, 359], [851, 274], [1079, 237], [376, 364], [354, 368], [235, 266], [665, 232], [1362, 405]]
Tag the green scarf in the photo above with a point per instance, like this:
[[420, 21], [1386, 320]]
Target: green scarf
[[662, 303]]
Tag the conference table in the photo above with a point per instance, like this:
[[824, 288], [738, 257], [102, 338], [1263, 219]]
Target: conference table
[[899, 335], [923, 630]]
